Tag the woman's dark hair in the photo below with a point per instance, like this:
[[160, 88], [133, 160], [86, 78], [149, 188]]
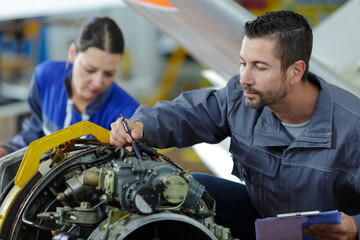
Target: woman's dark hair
[[102, 33], [291, 32]]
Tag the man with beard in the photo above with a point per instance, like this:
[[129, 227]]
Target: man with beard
[[294, 137]]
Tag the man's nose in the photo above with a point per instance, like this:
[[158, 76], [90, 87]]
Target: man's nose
[[246, 77]]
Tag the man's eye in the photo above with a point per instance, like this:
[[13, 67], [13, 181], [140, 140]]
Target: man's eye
[[260, 68], [90, 70]]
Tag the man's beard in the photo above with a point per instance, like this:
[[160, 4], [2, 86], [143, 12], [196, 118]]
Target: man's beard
[[265, 99]]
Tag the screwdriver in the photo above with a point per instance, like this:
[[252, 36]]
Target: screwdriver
[[133, 143]]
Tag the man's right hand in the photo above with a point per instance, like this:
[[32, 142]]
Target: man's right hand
[[3, 151], [119, 136]]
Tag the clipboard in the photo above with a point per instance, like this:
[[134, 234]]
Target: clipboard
[[289, 226]]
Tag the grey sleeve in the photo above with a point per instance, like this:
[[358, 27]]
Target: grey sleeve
[[193, 117], [32, 126]]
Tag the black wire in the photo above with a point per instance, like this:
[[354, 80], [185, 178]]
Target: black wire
[[42, 220]]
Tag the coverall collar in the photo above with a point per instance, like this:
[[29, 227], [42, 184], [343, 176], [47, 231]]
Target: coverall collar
[[269, 131]]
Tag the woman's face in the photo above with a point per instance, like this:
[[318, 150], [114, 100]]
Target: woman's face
[[93, 72]]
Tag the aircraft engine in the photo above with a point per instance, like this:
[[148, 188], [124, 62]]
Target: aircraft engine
[[97, 191]]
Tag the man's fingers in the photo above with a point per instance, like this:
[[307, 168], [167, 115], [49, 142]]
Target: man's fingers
[[118, 135], [322, 235], [115, 139], [345, 230], [129, 148]]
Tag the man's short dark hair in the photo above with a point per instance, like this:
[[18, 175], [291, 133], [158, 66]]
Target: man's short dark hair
[[291, 32]]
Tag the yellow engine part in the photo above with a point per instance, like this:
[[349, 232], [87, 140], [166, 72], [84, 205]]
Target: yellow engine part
[[31, 160]]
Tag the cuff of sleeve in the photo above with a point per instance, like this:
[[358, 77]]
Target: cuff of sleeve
[[147, 128]]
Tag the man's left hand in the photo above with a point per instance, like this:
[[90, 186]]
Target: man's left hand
[[345, 230]]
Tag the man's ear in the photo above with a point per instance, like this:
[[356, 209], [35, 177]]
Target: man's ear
[[72, 53], [297, 70]]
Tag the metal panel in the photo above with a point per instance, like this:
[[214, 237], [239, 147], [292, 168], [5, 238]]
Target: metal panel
[[211, 31]]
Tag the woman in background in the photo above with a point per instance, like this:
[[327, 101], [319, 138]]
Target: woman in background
[[63, 93]]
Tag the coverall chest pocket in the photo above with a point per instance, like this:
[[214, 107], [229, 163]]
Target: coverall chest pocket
[[258, 167]]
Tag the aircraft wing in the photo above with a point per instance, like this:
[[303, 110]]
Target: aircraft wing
[[210, 31]]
